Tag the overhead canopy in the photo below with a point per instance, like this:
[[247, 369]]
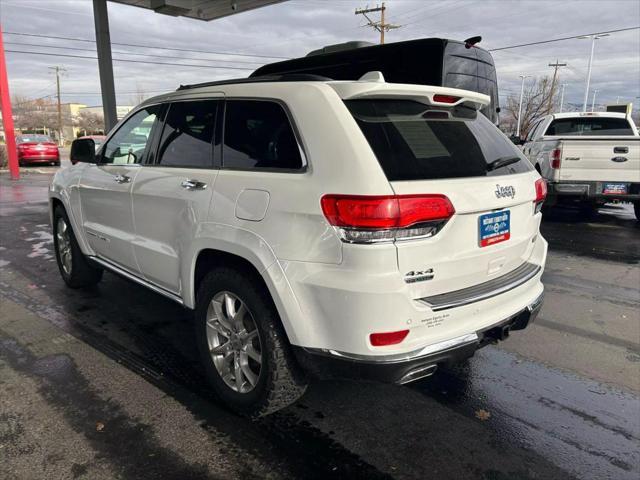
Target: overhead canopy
[[199, 9]]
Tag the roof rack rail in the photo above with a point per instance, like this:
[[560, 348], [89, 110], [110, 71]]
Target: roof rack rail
[[293, 77]]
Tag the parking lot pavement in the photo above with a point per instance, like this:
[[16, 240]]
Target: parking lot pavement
[[104, 383]]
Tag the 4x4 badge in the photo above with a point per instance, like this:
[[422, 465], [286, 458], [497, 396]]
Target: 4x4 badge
[[507, 191]]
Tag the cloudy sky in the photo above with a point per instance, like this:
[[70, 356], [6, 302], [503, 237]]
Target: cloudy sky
[[293, 28]]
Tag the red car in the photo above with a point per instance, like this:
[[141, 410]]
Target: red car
[[37, 149]]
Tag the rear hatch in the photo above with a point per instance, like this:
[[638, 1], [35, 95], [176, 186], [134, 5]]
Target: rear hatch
[[454, 151]]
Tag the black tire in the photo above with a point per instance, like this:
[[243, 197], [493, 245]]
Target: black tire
[[280, 381], [82, 273], [636, 209]]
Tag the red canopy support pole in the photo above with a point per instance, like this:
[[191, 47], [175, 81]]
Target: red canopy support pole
[[7, 115]]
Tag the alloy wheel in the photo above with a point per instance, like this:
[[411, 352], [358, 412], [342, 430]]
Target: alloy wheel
[[64, 245], [234, 343]]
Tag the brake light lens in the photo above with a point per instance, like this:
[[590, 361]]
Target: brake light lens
[[445, 98], [367, 219], [556, 157], [388, 338], [541, 193]]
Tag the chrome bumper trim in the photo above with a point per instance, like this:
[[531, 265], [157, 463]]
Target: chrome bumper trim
[[492, 288]]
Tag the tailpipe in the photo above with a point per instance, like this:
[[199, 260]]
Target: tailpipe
[[418, 373]]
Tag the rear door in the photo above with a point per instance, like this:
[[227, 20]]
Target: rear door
[[172, 193], [459, 153]]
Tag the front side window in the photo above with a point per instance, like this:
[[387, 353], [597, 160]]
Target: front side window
[[258, 135], [130, 143], [414, 141], [586, 126], [188, 134]]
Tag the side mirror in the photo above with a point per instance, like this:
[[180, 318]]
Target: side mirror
[[516, 140], [83, 150]]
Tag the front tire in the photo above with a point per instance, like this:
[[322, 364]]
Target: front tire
[[243, 346], [74, 266]]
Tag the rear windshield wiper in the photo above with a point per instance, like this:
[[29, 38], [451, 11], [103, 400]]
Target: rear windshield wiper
[[502, 162]]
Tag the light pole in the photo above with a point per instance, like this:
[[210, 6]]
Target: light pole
[[593, 45], [520, 105], [562, 87], [593, 100]]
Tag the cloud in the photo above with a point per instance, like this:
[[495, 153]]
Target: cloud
[[295, 27]]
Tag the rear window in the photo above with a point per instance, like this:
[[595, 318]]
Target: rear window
[[414, 141], [585, 126], [33, 139]]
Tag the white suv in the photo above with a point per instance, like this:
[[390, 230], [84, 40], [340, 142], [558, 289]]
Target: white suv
[[352, 228]]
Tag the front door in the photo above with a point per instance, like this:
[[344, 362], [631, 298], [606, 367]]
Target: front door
[[105, 189]]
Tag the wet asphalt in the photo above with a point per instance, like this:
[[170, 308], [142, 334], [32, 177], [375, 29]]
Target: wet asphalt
[[559, 400]]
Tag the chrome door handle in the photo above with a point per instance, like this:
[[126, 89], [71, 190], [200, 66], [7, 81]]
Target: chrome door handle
[[193, 185], [122, 178]]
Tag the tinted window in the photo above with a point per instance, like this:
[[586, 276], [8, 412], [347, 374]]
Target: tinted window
[[413, 141], [257, 134], [589, 126], [131, 142], [187, 134]]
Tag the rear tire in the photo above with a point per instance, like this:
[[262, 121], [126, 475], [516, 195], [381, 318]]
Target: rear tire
[[75, 268], [252, 377], [636, 209]]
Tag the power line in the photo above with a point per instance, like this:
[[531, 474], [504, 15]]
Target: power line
[[130, 61], [561, 39], [145, 46], [130, 53]]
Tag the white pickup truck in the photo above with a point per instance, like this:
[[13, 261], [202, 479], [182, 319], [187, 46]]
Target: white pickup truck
[[592, 158]]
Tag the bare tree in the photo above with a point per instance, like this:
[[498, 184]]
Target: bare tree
[[34, 114], [539, 99], [90, 123], [138, 97]]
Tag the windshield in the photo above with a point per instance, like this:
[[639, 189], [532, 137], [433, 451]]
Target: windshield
[[33, 139], [414, 141], [585, 126]]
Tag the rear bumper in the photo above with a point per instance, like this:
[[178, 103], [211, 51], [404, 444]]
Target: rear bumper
[[31, 159], [589, 190], [411, 366]]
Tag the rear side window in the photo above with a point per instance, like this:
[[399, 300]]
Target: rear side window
[[187, 135], [414, 141], [585, 126], [258, 135]]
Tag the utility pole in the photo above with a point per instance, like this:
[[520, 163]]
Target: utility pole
[[553, 82], [58, 69], [381, 26], [520, 106], [562, 96], [593, 45], [593, 100]]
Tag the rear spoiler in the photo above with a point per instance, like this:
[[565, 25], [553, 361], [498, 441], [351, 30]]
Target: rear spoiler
[[373, 85]]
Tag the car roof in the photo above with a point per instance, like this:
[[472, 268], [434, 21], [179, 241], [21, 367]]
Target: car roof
[[372, 84]]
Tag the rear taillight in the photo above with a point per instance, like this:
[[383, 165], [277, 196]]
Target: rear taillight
[[388, 338], [541, 193], [445, 98], [556, 157], [369, 219]]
